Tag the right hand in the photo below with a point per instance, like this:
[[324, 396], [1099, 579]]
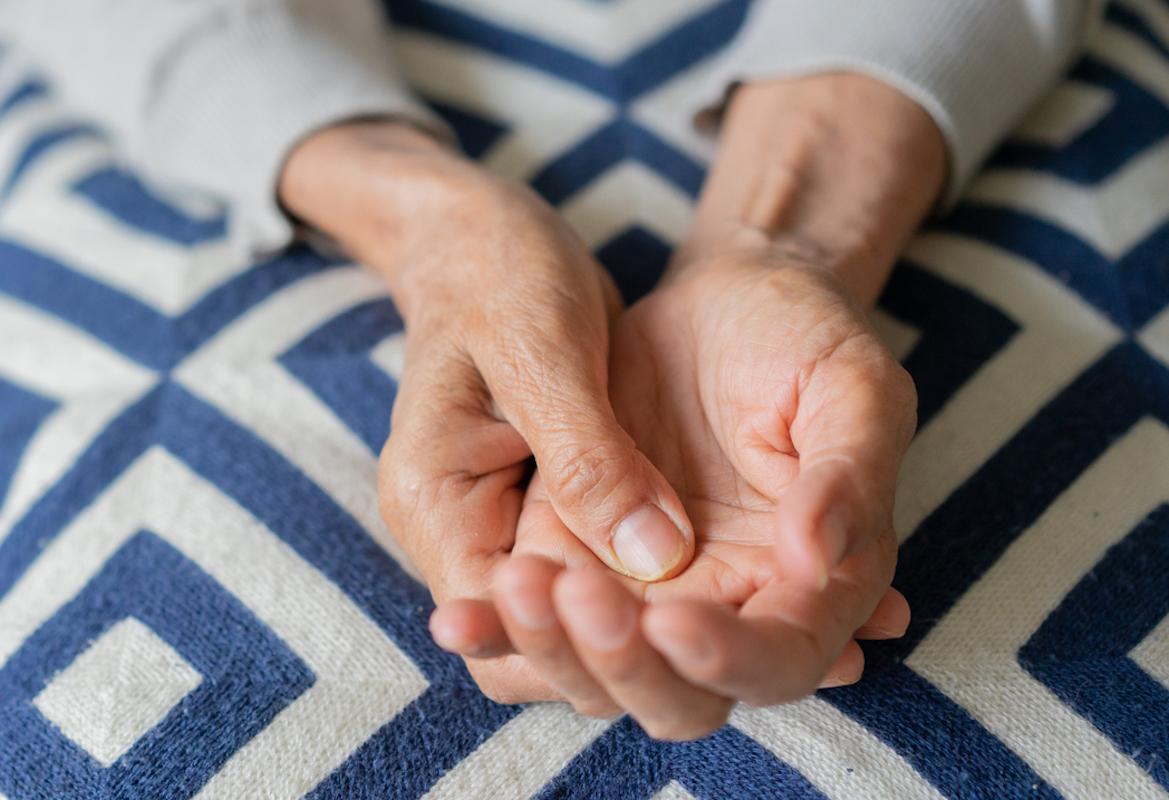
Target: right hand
[[508, 320]]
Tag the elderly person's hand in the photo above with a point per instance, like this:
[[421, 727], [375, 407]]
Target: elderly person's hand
[[754, 381], [508, 317], [764, 397]]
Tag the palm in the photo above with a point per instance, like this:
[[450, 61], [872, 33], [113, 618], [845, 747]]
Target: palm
[[714, 377]]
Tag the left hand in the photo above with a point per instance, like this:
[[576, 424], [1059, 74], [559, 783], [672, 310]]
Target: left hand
[[754, 383], [762, 394]]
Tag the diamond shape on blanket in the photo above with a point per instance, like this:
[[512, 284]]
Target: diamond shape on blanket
[[190, 677], [117, 690], [1082, 208], [344, 362], [1110, 633]]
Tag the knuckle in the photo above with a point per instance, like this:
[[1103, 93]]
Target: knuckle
[[401, 480], [589, 476]]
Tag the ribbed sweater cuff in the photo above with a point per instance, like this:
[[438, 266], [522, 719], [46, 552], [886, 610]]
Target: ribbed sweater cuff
[[975, 66], [233, 101]]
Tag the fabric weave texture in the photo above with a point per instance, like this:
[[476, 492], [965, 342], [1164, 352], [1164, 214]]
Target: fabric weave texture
[[193, 602]]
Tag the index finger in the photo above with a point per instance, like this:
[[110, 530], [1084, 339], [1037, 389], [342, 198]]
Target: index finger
[[780, 645]]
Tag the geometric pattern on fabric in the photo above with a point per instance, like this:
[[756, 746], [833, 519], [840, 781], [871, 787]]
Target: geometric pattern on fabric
[[198, 598]]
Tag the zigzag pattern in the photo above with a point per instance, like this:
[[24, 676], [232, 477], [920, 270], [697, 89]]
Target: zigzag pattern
[[188, 445]]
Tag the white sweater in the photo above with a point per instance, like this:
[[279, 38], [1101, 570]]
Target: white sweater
[[212, 94]]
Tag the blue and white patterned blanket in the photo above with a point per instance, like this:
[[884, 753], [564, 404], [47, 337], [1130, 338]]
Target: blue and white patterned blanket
[[191, 598]]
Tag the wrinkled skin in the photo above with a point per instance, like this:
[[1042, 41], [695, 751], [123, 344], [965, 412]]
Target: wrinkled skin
[[767, 402]]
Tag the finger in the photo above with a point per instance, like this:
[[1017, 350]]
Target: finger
[[471, 628], [509, 680], [554, 390], [889, 620], [523, 593], [847, 668], [851, 441], [450, 474], [450, 493], [776, 649], [758, 661], [541, 533], [603, 621], [443, 413]]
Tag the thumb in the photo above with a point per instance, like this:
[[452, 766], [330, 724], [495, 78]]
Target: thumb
[[827, 514], [850, 454], [616, 502], [605, 490]]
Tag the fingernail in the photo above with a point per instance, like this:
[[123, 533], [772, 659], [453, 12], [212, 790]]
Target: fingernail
[[836, 681], [647, 543]]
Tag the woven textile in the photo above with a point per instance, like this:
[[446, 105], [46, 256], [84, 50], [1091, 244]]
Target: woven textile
[[192, 601]]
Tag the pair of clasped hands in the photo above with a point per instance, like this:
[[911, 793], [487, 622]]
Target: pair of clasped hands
[[710, 515]]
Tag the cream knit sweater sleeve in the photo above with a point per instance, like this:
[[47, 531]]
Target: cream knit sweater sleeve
[[976, 66], [213, 94]]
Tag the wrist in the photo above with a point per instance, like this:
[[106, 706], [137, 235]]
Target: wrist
[[835, 170], [375, 187]]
